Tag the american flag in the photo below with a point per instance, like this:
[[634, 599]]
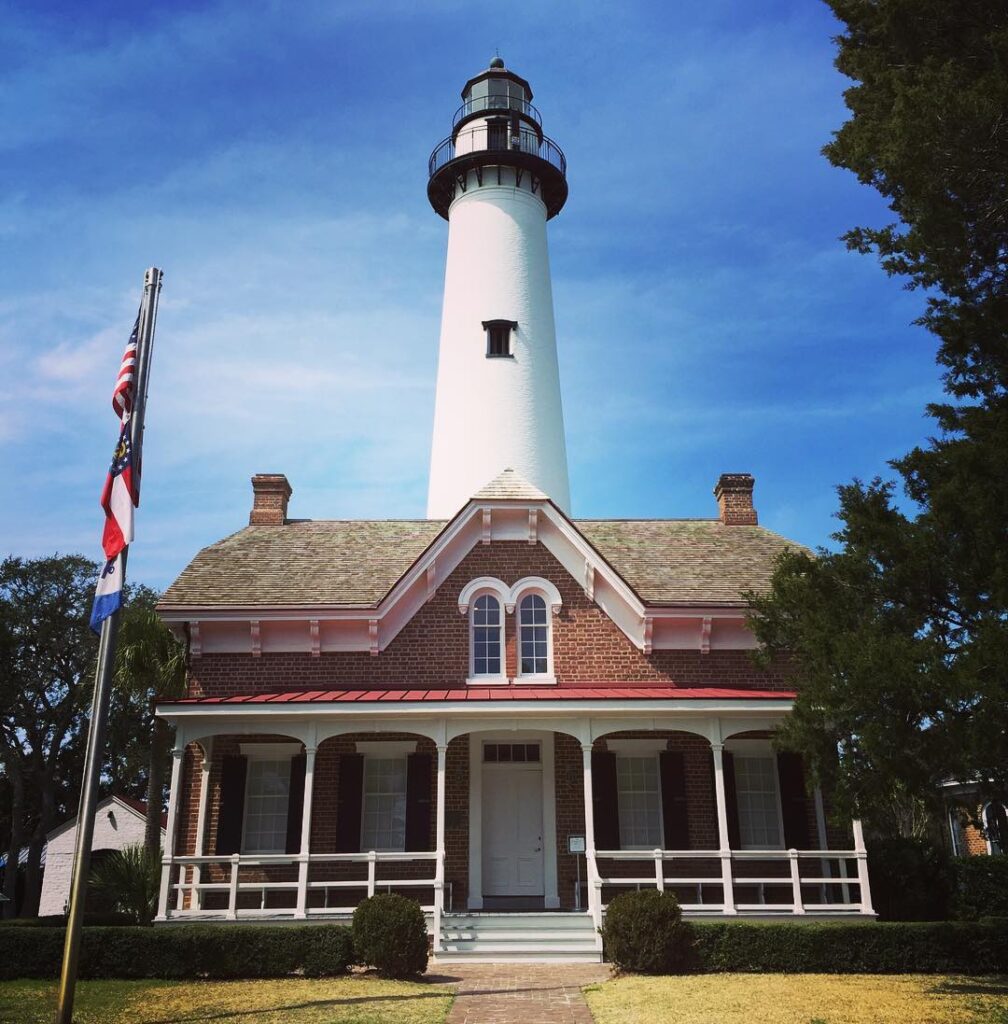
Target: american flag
[[122, 394]]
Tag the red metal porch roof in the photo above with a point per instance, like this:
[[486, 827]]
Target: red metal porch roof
[[492, 693]]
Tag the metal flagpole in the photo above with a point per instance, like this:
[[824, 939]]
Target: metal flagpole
[[103, 681]]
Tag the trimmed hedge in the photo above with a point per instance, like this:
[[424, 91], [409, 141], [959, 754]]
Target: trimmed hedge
[[182, 951], [940, 947], [110, 919], [981, 887]]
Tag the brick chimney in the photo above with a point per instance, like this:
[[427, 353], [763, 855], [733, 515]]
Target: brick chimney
[[270, 494], [734, 498]]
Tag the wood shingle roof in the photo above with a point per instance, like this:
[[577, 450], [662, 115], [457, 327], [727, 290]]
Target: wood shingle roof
[[354, 563]]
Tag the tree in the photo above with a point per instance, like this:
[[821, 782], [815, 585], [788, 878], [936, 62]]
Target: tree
[[899, 639], [129, 879], [47, 655], [150, 663]]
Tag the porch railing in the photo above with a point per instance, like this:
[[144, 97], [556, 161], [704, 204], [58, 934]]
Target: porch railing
[[191, 888], [808, 881]]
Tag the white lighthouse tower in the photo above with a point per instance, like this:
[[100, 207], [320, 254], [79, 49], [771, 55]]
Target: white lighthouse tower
[[497, 179]]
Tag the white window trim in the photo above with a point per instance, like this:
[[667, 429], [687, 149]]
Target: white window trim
[[986, 825], [270, 751], [386, 748], [626, 749], [383, 750], [265, 752], [636, 748], [487, 585], [760, 748], [549, 593]]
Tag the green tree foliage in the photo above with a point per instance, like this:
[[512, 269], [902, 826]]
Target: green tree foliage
[[47, 657], [900, 638]]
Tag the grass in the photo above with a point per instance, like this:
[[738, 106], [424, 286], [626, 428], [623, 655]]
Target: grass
[[354, 1000], [800, 999]]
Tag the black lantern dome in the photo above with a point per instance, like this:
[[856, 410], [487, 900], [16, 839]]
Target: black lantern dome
[[497, 127]]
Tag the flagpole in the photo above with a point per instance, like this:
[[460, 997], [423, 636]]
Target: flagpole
[[95, 750]]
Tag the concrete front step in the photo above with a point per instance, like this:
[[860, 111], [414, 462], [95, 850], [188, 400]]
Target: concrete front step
[[519, 937]]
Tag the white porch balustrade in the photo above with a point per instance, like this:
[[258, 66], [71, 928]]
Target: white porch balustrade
[[191, 901], [839, 891]]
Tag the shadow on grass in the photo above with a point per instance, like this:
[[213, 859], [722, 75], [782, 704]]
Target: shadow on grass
[[310, 1004], [997, 986]]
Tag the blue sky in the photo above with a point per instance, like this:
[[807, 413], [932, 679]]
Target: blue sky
[[271, 158]]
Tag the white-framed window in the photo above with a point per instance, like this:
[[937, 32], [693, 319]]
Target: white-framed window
[[383, 815], [994, 819], [638, 784], [757, 791], [486, 637], [533, 636], [267, 794]]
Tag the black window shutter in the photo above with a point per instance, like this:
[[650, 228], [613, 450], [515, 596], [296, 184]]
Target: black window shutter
[[349, 798], [232, 805], [731, 801], [295, 803], [673, 797], [605, 797], [418, 801], [794, 806]]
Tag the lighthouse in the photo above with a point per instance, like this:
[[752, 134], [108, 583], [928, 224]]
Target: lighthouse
[[497, 179]]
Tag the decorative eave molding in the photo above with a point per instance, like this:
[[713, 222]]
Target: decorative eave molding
[[372, 628]]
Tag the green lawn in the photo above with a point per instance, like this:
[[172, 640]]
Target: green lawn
[[801, 999], [357, 1000]]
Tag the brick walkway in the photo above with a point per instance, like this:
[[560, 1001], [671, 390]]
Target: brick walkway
[[521, 993]]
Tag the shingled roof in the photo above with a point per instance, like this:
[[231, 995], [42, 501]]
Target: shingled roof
[[355, 563]]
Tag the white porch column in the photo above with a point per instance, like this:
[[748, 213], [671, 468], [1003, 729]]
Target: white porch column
[[195, 899], [439, 844], [169, 847], [594, 889], [305, 847], [862, 867], [724, 845]]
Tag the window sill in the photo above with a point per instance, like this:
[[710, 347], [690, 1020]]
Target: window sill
[[535, 680], [487, 681]]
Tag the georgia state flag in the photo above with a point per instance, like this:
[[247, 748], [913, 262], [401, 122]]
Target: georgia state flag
[[119, 496], [108, 593]]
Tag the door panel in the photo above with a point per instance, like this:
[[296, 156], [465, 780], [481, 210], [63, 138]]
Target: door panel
[[513, 863]]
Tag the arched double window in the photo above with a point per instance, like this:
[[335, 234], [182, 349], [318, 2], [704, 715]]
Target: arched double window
[[486, 638], [488, 602]]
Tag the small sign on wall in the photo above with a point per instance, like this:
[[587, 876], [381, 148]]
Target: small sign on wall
[[575, 844]]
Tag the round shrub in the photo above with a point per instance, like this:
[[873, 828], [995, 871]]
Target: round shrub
[[390, 934], [644, 932]]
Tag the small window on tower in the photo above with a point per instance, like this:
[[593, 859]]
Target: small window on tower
[[498, 334]]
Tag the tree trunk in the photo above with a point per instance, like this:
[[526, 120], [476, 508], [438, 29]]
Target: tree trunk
[[17, 837], [160, 735], [33, 869]]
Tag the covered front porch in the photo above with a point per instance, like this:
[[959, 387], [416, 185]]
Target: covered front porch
[[299, 808]]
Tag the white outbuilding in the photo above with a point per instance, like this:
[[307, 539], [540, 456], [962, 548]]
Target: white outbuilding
[[119, 822]]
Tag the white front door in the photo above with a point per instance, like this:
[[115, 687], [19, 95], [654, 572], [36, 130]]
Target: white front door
[[512, 830]]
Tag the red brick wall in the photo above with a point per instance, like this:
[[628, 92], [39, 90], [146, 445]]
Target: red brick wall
[[432, 651]]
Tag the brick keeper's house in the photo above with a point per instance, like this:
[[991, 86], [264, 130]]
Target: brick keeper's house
[[506, 712]]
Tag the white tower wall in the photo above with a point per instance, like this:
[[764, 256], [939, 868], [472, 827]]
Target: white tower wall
[[497, 413]]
